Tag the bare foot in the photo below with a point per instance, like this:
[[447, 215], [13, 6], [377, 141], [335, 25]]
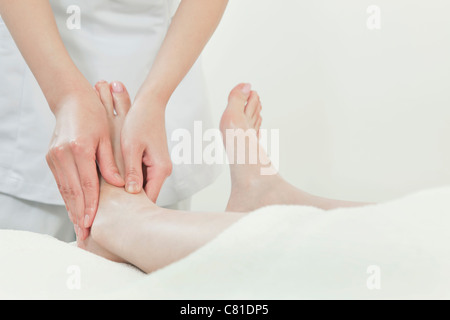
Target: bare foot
[[250, 189], [240, 125], [113, 201]]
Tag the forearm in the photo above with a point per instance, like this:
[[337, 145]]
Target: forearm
[[192, 26], [33, 27]]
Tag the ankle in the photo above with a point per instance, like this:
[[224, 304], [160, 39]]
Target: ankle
[[254, 181]]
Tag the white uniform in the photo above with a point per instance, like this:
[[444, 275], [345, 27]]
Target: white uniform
[[117, 40]]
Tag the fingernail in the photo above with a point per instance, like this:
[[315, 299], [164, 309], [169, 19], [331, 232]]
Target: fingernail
[[132, 187], [117, 87], [87, 221], [247, 88]]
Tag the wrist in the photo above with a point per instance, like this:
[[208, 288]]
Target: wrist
[[66, 90], [151, 101], [155, 92]]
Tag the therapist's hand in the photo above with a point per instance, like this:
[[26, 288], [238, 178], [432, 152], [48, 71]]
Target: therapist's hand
[[81, 138], [144, 147]]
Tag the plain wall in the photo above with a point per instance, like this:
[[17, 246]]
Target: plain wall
[[363, 114]]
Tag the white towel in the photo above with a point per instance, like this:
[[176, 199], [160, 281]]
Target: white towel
[[395, 250]]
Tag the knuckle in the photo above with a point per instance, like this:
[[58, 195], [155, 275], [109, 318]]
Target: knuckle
[[88, 184], [133, 174], [75, 193], [75, 146], [57, 152], [80, 147], [69, 193]]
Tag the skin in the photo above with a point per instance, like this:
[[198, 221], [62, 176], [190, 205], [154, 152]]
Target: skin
[[155, 237], [81, 136]]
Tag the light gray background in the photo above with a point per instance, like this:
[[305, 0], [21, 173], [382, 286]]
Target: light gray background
[[363, 114]]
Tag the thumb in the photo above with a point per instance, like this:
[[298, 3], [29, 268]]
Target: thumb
[[107, 164], [133, 170]]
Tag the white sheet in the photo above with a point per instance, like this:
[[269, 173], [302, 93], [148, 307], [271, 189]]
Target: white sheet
[[277, 252]]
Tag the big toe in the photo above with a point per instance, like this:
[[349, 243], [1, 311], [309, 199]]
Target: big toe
[[121, 98], [239, 96]]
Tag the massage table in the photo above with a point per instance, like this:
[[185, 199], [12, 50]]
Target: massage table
[[393, 250]]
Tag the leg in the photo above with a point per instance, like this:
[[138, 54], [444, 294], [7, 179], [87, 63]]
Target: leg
[[251, 190], [130, 228]]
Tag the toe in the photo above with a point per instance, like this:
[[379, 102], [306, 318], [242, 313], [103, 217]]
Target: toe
[[258, 124], [257, 113], [121, 98], [102, 88], [239, 95], [252, 105]]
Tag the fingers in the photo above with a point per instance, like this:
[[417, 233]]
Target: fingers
[[87, 171], [75, 170], [56, 175], [64, 167], [107, 164]]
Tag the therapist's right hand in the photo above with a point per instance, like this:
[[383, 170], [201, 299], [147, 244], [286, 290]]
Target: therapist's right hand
[[81, 139]]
